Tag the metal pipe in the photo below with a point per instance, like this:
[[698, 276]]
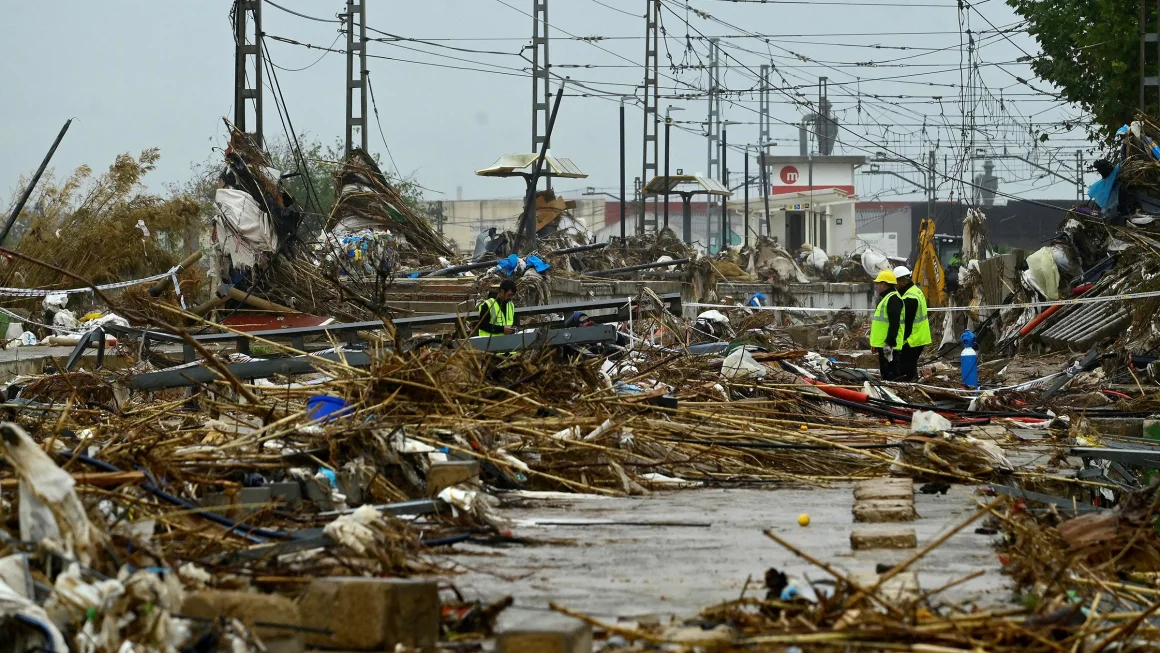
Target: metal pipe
[[1068, 322], [578, 248], [634, 268], [1092, 328], [479, 265], [32, 184], [455, 269]]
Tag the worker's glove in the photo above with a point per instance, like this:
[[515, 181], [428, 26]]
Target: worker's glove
[[888, 351]]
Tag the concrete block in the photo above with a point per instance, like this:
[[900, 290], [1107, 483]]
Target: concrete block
[[884, 510], [288, 493], [891, 538], [547, 634], [372, 613], [804, 336], [251, 608], [318, 493], [445, 474], [240, 505], [350, 484], [896, 489]]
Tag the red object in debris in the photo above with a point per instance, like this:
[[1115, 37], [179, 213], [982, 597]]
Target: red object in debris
[[1081, 289], [1118, 395], [271, 321], [1030, 326], [1004, 560], [840, 393]]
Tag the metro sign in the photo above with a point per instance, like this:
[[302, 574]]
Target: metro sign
[[789, 175]]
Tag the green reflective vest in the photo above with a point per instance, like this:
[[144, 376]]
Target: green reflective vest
[[920, 328], [880, 323], [503, 317]]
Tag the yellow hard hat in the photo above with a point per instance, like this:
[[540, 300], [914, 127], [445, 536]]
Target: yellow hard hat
[[887, 276]]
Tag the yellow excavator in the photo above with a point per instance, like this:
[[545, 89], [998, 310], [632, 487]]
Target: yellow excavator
[[928, 273]]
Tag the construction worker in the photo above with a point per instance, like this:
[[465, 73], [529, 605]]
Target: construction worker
[[915, 324], [886, 325], [497, 315]]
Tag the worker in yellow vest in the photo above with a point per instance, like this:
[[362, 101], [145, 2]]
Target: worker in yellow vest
[[497, 315], [915, 325], [886, 325]]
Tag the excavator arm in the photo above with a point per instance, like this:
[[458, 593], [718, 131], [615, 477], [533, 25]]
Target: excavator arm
[[928, 271]]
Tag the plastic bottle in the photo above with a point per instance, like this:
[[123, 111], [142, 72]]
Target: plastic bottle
[[969, 360]]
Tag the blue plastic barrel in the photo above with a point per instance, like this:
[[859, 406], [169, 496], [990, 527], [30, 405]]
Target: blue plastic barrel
[[326, 407]]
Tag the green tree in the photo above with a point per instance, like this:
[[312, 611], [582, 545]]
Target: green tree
[[1091, 51]]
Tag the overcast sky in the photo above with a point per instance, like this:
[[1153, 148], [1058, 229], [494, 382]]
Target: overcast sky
[[136, 74]]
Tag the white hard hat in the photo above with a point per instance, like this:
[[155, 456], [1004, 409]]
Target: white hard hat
[[901, 271]]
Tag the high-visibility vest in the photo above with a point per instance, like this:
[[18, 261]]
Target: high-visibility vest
[[920, 327], [880, 323], [503, 317]]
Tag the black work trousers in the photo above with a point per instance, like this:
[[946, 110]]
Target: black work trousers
[[907, 359], [888, 369]]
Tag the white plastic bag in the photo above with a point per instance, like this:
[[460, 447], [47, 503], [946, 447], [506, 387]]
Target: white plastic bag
[[928, 422], [740, 364]]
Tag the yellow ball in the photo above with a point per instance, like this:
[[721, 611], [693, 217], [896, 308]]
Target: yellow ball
[[804, 427], [803, 519]]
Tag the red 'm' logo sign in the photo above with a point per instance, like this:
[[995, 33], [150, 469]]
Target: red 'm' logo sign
[[789, 175]]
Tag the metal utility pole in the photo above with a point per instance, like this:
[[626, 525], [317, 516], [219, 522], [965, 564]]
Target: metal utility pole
[[745, 228], [1149, 74], [713, 132], [248, 48], [714, 126], [623, 177], [652, 99], [763, 136], [763, 120], [724, 182], [541, 89], [1079, 175], [528, 237], [931, 185], [765, 191], [356, 79]]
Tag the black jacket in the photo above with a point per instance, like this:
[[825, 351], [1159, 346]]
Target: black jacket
[[894, 315]]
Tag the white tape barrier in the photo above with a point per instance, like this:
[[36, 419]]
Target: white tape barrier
[[1062, 302], [33, 292]]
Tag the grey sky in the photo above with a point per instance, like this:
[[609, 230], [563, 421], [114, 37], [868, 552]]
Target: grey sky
[[136, 74]]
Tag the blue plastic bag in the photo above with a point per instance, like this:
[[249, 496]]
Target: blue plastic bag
[[1101, 191], [537, 263], [508, 265]]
